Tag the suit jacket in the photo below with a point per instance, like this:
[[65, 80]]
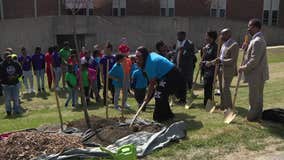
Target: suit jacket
[[256, 60], [187, 59], [229, 63]]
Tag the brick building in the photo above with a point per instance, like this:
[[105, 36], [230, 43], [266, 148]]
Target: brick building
[[270, 11]]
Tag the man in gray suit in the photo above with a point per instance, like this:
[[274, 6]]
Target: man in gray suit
[[255, 69], [228, 67]]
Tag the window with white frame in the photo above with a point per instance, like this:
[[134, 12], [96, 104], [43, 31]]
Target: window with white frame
[[119, 7], [218, 8], [167, 8], [271, 12]]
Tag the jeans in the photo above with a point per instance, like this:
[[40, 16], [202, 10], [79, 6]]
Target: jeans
[[116, 95], [72, 95], [11, 93], [40, 78], [57, 75], [28, 80]]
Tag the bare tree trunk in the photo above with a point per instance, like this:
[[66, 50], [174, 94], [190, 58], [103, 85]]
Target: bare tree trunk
[[83, 100]]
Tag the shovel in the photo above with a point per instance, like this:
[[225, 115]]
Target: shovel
[[211, 104], [231, 114], [106, 84], [192, 97], [137, 113]]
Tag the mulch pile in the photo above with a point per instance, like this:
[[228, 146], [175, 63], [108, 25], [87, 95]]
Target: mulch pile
[[28, 145]]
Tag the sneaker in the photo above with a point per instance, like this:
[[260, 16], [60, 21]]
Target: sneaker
[[117, 107], [32, 90], [218, 92], [8, 113], [127, 106]]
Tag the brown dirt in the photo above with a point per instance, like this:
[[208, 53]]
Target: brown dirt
[[28, 145], [109, 129]]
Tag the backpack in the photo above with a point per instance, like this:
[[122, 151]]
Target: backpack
[[274, 115]]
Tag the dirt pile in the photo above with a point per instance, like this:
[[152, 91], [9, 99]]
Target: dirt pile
[[109, 131], [28, 145]]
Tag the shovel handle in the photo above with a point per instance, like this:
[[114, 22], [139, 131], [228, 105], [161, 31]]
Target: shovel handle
[[137, 113], [106, 85], [246, 40]]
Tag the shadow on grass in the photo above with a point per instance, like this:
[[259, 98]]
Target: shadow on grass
[[241, 86], [192, 124], [28, 96], [197, 106], [43, 95], [274, 128]]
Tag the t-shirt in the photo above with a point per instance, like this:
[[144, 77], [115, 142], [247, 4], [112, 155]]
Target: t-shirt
[[92, 74], [65, 54], [139, 80], [157, 66], [10, 72], [71, 79], [133, 68], [85, 78], [127, 65], [38, 61], [48, 60], [103, 62], [56, 59], [117, 72], [25, 62]]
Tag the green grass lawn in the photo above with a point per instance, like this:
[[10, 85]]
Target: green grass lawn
[[208, 137]]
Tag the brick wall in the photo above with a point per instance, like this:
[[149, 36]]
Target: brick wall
[[244, 9], [281, 14], [47, 8], [18, 8], [103, 7], [143, 7], [192, 8]]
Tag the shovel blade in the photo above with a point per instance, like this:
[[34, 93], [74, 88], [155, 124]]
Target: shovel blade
[[188, 104], [210, 106], [229, 116]]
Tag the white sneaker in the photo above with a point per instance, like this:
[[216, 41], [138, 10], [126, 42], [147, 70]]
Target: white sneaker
[[126, 105]]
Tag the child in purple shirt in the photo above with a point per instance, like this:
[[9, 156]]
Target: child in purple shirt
[[56, 65], [26, 63], [108, 57], [38, 61]]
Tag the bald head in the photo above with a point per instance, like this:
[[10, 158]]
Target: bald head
[[226, 34]]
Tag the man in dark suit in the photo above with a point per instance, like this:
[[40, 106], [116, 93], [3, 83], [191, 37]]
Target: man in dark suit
[[186, 58]]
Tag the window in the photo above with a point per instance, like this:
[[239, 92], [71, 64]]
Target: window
[[265, 17], [218, 8], [271, 12], [119, 7], [213, 12], [167, 8], [274, 17]]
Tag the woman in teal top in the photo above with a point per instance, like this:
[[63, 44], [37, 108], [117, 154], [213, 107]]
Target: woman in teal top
[[164, 78]]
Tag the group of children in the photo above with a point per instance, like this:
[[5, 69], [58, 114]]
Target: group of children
[[118, 72]]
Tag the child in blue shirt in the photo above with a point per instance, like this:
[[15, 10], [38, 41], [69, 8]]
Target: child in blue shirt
[[139, 83], [116, 74]]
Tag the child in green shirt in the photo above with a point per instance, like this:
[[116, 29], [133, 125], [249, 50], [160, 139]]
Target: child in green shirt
[[71, 80]]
